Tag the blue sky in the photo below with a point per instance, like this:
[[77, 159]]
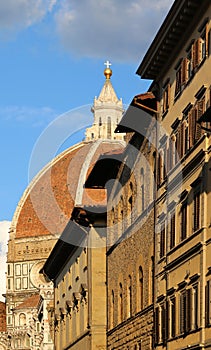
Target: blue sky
[[51, 61], [52, 54]]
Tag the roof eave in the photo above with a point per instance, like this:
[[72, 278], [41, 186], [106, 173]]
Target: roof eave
[[174, 27]]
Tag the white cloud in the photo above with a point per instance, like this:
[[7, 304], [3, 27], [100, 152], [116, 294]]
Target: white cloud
[[23, 114], [120, 30], [4, 236], [23, 13]]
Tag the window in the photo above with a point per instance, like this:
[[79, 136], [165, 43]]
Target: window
[[195, 307], [112, 309], [196, 211], [189, 61], [130, 304], [18, 270], [120, 303], [204, 41], [185, 311], [177, 145], [200, 109], [163, 322], [22, 319], [172, 307], [186, 136], [130, 209], [109, 127], [208, 303], [18, 283], [183, 221], [157, 325], [25, 282], [25, 269], [100, 121], [9, 283], [166, 98], [162, 158], [172, 230], [178, 86], [162, 240], [140, 287]]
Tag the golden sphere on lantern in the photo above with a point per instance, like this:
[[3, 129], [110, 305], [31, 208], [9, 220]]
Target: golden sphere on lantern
[[108, 73]]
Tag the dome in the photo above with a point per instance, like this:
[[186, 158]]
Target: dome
[[46, 206]]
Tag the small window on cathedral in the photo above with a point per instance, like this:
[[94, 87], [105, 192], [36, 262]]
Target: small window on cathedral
[[100, 121], [18, 270], [9, 284], [92, 135], [109, 128]]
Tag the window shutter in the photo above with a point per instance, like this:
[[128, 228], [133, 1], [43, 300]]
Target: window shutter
[[184, 221], [168, 319], [190, 129], [182, 139], [208, 303], [168, 165], [182, 313], [188, 310], [172, 234], [199, 50], [196, 53], [195, 310], [173, 317], [157, 325], [196, 211], [168, 95], [197, 126], [179, 142], [184, 75], [162, 240], [163, 319], [207, 40], [200, 112], [193, 123], [193, 54]]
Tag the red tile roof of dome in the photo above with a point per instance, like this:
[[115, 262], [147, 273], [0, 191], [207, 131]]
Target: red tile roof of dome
[[47, 204]]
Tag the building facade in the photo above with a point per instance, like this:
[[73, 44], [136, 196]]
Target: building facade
[[130, 237], [181, 75]]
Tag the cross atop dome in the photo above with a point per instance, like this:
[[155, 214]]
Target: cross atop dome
[[107, 71], [107, 64]]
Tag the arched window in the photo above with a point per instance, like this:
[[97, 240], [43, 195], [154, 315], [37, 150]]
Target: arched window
[[112, 310], [109, 127], [130, 210], [120, 303], [121, 218], [22, 319], [129, 300], [142, 190], [140, 287], [114, 233], [100, 121], [130, 204]]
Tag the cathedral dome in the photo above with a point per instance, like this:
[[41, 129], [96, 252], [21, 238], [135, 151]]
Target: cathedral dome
[[46, 206]]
